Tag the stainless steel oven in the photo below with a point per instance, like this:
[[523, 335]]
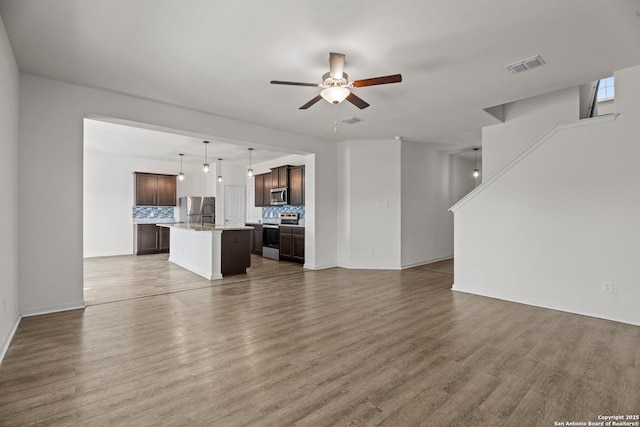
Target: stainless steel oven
[[271, 241]]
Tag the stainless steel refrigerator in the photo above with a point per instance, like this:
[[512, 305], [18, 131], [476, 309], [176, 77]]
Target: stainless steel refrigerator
[[197, 210]]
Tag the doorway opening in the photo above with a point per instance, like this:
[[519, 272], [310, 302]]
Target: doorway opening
[[113, 151]]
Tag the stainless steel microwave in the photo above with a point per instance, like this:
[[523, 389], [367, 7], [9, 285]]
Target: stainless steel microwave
[[278, 196]]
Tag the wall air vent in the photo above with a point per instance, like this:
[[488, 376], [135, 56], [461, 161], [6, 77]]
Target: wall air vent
[[525, 64], [351, 120]]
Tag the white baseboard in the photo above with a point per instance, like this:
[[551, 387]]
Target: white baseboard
[[543, 304], [308, 266], [369, 267], [430, 261], [392, 267], [7, 340], [52, 309]]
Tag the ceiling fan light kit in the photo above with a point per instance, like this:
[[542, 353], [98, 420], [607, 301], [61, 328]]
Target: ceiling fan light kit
[[335, 94], [336, 85]]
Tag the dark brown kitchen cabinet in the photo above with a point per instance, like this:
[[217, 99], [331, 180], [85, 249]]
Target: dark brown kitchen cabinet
[[151, 239], [166, 190], [155, 189], [256, 238], [236, 251], [164, 234], [292, 244], [280, 177], [262, 189], [146, 189], [296, 186]]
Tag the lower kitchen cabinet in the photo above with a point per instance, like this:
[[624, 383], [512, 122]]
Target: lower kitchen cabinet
[[292, 244], [236, 251], [164, 234], [256, 238], [151, 239]]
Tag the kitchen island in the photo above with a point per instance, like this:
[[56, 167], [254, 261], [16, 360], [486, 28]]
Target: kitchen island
[[210, 251]]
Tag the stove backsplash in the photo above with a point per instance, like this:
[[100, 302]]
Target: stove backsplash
[[273, 212], [152, 214]]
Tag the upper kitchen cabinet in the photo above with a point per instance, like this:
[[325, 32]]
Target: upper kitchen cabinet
[[280, 177], [262, 189], [296, 186], [155, 189]]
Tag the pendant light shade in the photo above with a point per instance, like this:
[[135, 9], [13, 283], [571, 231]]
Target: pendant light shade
[[219, 170], [476, 170], [205, 166], [181, 175], [250, 171]]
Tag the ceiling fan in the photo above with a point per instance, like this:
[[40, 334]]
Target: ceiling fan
[[336, 85]]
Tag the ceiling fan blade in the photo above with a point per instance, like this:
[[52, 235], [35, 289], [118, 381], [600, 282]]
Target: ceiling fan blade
[[336, 65], [358, 102], [310, 103], [279, 82], [394, 78]]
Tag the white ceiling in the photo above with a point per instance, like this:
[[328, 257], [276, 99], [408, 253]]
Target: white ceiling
[[110, 138], [218, 57]]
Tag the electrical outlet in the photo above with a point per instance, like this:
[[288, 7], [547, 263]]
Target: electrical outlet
[[607, 286], [370, 252]]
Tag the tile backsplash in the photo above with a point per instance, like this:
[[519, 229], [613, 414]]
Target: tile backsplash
[[273, 212], [152, 214]]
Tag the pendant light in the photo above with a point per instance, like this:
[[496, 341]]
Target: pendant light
[[476, 171], [205, 166], [250, 171], [219, 170], [181, 175]]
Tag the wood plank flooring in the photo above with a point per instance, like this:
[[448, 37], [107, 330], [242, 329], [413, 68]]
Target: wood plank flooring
[[287, 346], [119, 278]]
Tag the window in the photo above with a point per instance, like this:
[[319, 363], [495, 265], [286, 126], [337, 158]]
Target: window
[[605, 90]]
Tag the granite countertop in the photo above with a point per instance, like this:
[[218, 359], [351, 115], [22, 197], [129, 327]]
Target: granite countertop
[[276, 223], [204, 227], [154, 221]]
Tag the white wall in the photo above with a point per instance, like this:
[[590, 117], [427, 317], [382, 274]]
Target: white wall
[[393, 198], [371, 182], [562, 221], [462, 180], [9, 104], [108, 198], [232, 174], [525, 121], [431, 183], [51, 135]]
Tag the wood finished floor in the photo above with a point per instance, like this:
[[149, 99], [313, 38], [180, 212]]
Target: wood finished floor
[[119, 278], [313, 348]]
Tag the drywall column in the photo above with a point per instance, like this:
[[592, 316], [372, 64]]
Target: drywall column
[[9, 104], [370, 197]]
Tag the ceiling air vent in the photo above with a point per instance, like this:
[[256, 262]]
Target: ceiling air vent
[[351, 120], [525, 64]]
